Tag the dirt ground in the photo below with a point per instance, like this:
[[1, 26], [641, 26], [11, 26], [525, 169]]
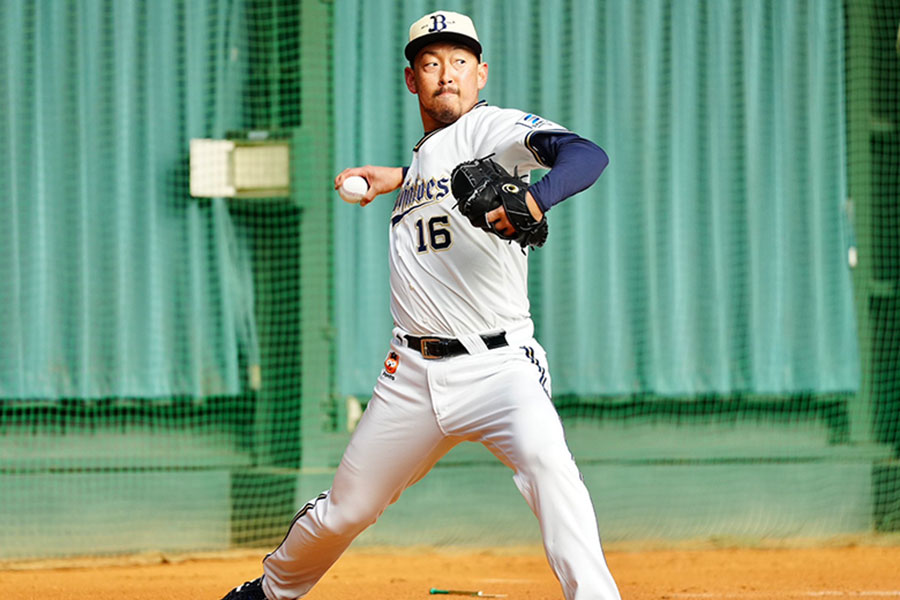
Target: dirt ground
[[852, 571]]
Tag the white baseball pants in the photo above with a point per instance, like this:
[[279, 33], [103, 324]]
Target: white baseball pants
[[500, 398]]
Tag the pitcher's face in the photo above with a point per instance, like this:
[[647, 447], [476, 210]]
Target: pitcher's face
[[447, 78]]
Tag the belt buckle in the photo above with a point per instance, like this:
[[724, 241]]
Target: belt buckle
[[423, 345]]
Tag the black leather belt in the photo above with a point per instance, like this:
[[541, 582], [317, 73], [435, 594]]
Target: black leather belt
[[434, 347]]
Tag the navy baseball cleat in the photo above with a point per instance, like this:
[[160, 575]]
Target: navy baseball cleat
[[250, 590]]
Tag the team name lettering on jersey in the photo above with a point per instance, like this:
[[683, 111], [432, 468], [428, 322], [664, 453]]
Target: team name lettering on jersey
[[417, 194]]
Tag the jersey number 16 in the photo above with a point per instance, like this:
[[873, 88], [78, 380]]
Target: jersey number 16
[[438, 234]]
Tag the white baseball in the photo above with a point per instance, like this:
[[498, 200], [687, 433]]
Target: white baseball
[[353, 189]]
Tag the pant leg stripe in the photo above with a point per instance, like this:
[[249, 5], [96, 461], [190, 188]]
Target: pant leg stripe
[[306, 508], [529, 352]]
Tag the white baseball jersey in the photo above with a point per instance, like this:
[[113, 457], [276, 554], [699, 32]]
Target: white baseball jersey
[[449, 278]]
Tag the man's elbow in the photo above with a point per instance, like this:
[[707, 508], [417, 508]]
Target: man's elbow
[[601, 159]]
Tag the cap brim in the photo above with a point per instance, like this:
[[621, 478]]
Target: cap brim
[[413, 48]]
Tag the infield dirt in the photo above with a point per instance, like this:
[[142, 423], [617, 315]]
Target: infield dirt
[[522, 574]]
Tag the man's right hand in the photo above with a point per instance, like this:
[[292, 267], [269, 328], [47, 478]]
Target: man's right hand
[[382, 180]]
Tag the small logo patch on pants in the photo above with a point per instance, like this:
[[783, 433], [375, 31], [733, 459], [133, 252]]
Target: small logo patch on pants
[[391, 363]]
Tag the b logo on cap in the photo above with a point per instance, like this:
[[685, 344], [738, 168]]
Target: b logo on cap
[[438, 23]]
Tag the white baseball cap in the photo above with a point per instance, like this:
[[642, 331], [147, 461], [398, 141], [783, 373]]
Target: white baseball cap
[[439, 26]]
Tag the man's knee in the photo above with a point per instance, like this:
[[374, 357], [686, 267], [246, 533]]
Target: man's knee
[[344, 519]]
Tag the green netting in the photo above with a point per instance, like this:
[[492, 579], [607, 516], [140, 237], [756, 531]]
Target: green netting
[[720, 310], [152, 361]]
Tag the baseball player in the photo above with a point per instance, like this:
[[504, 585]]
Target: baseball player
[[463, 364]]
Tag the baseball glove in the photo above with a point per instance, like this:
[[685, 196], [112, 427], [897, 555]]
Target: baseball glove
[[481, 185]]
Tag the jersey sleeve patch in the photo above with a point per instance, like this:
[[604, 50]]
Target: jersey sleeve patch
[[531, 121]]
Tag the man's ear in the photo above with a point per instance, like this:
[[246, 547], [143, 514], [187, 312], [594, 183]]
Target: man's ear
[[410, 80], [482, 75]]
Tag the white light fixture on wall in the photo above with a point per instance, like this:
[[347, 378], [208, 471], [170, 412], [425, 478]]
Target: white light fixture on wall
[[240, 168]]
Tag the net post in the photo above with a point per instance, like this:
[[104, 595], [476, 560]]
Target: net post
[[859, 80]]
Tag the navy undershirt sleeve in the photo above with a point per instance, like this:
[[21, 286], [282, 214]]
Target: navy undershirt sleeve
[[575, 164]]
